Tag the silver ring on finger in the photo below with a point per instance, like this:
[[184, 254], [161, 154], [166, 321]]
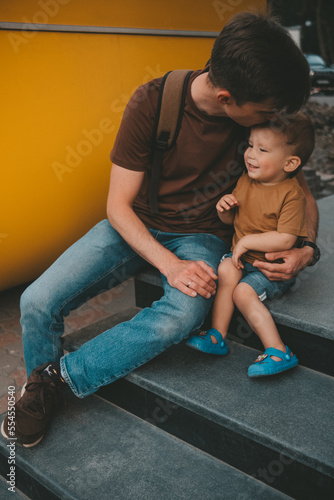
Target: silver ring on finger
[[189, 283]]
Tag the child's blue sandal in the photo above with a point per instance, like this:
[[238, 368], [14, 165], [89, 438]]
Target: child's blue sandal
[[265, 365], [203, 342]]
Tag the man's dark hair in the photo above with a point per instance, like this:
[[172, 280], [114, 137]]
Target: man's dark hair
[[255, 59], [299, 135]]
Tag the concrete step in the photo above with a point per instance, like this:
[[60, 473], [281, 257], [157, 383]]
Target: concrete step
[[13, 494], [210, 402], [278, 429], [97, 450]]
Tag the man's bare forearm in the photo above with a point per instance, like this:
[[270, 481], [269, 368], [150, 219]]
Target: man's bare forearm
[[136, 234]]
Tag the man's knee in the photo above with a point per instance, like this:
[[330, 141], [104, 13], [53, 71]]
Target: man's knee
[[27, 300], [33, 300], [187, 314]]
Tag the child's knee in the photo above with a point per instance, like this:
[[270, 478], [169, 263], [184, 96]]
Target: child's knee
[[243, 293], [228, 273]]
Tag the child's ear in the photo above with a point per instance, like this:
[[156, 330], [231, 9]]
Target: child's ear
[[292, 164]]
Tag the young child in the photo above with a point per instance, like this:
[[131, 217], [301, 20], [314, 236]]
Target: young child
[[267, 209]]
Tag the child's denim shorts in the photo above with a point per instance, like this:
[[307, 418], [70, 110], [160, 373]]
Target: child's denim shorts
[[265, 288]]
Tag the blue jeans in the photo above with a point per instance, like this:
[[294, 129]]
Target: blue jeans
[[99, 261]]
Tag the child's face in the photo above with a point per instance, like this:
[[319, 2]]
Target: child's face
[[267, 157]]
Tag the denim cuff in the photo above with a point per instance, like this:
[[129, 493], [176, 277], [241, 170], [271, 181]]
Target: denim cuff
[[65, 375]]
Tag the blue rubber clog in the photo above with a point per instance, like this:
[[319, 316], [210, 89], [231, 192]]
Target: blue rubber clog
[[203, 342], [265, 365]]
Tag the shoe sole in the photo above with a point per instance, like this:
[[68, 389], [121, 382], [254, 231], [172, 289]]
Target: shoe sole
[[262, 374], [29, 445], [207, 351]]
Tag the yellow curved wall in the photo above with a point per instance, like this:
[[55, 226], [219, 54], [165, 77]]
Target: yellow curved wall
[[62, 98], [201, 15]]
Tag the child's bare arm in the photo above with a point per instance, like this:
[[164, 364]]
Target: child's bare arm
[[272, 241], [225, 206]]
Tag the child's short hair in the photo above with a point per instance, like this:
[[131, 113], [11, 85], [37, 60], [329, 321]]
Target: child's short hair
[[255, 59], [299, 133]]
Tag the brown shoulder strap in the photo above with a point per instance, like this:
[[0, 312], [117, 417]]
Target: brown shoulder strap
[[167, 124], [172, 97]]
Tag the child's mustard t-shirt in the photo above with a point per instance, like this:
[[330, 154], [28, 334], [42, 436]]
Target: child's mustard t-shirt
[[264, 208]]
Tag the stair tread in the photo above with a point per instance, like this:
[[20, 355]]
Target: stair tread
[[281, 412], [95, 449], [6, 494]]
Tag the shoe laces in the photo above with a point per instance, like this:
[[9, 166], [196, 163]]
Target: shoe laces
[[40, 393]]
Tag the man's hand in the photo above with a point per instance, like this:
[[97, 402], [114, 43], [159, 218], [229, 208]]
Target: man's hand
[[227, 202], [295, 260], [192, 278]]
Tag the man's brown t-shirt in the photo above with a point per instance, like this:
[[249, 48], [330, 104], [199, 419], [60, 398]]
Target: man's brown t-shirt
[[205, 163]]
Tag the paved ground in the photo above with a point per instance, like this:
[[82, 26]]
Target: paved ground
[[12, 368]]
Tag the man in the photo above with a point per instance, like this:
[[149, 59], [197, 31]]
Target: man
[[255, 71]]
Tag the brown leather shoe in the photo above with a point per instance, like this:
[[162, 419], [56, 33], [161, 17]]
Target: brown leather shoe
[[34, 410]]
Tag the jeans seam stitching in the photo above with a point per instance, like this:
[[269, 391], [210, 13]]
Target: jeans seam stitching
[[118, 375], [57, 313]]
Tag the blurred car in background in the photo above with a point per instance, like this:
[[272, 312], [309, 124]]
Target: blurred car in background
[[322, 76]]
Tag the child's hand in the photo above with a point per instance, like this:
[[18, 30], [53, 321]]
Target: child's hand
[[227, 202], [238, 251], [237, 262]]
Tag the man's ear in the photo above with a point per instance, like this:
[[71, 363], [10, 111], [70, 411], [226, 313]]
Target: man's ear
[[292, 164], [224, 97]]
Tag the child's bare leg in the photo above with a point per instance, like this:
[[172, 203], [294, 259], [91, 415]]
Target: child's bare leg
[[223, 307], [258, 317]]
